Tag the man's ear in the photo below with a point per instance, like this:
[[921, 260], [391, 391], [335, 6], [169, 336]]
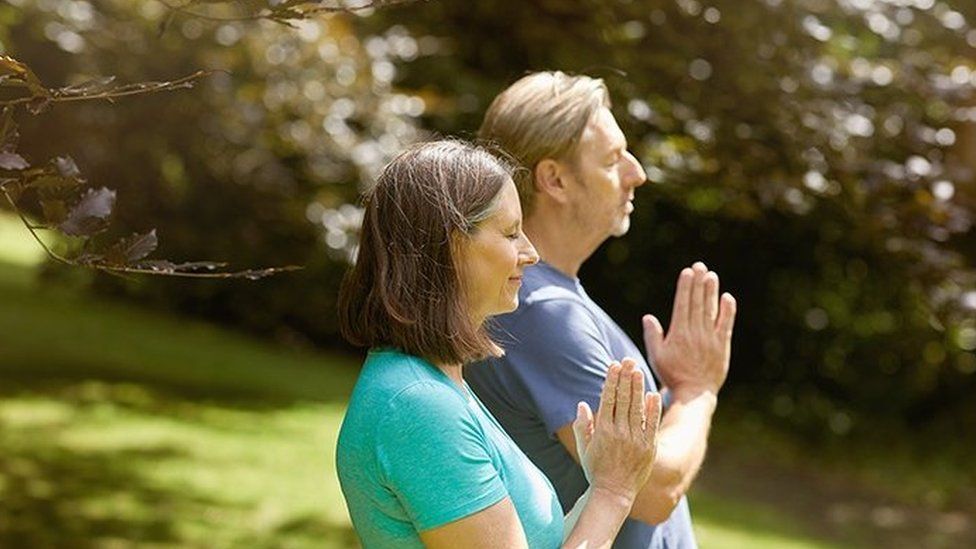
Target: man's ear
[[550, 179]]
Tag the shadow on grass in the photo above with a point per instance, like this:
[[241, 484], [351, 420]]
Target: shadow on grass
[[57, 498], [833, 508], [53, 494], [81, 382]]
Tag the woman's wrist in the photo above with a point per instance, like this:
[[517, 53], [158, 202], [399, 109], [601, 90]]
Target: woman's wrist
[[608, 496]]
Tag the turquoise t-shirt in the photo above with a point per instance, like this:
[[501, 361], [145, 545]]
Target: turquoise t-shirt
[[416, 451]]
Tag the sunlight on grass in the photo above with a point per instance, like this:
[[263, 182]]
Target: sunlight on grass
[[726, 523], [16, 244], [214, 476], [122, 426]]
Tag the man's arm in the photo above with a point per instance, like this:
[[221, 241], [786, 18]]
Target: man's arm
[[693, 361]]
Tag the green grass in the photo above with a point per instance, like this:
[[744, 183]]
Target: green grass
[[726, 522], [120, 426], [123, 427]]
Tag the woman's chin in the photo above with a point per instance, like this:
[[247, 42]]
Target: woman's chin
[[507, 307]]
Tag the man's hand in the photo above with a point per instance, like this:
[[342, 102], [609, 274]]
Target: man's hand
[[694, 355]]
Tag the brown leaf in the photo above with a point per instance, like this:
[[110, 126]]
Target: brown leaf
[[90, 214], [55, 211], [17, 70], [8, 130], [66, 167], [133, 248], [13, 161]]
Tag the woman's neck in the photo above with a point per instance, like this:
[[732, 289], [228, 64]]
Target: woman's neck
[[452, 371]]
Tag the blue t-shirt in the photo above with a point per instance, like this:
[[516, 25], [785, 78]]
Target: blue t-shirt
[[558, 344], [416, 451]]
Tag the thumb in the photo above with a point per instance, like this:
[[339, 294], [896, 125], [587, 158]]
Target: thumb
[[583, 427], [653, 335]]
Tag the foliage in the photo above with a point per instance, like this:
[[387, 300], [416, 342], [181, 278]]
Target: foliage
[[66, 204], [292, 117], [817, 154], [183, 435]]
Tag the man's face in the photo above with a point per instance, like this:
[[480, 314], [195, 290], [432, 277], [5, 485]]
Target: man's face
[[603, 178]]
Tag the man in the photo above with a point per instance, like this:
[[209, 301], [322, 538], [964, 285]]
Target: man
[[577, 192]]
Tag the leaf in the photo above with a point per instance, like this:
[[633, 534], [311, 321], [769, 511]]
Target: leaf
[[8, 130], [88, 86], [50, 185], [11, 67], [13, 161], [12, 187], [54, 210], [16, 70], [38, 104], [89, 259], [133, 248], [90, 214], [66, 167]]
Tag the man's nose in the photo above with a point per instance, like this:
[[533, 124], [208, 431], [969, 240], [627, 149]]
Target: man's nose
[[636, 174]]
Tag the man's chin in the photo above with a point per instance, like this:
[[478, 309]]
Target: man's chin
[[622, 227]]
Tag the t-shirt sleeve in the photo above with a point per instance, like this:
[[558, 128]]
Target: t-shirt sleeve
[[561, 357], [434, 456]]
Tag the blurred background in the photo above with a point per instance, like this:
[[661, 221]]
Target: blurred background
[[818, 154]]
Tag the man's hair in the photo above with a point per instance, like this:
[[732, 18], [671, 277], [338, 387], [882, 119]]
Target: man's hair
[[541, 116], [406, 289]]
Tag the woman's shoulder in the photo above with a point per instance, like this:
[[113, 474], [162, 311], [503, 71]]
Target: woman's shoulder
[[393, 381]]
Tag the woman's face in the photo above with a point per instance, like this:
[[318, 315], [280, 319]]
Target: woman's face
[[493, 257]]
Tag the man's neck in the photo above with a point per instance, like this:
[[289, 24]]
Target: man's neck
[[558, 243]]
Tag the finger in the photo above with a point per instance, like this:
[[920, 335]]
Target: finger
[[652, 411], [726, 315], [608, 398], [583, 427], [697, 311], [682, 300], [621, 415], [711, 298], [653, 335], [637, 416]]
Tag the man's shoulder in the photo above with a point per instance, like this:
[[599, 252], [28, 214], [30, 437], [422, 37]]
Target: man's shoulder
[[542, 286]]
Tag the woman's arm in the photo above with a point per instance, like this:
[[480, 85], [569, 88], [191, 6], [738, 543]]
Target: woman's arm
[[494, 527], [617, 449]]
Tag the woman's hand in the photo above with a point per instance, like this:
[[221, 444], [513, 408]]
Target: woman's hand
[[618, 447]]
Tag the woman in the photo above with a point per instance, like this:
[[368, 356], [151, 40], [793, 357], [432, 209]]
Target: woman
[[420, 460]]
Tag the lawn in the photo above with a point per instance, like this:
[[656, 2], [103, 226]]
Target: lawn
[[123, 427]]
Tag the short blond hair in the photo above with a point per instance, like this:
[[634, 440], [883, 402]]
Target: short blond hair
[[542, 115]]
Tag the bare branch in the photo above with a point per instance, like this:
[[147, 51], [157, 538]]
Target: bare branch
[[76, 93], [284, 12]]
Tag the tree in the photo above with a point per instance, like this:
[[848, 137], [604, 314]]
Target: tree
[[811, 152]]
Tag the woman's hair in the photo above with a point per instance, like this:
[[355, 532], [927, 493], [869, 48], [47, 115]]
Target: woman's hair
[[540, 116], [405, 289]]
